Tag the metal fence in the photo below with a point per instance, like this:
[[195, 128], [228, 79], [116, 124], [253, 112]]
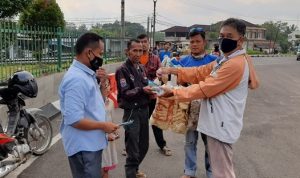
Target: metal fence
[[42, 50]]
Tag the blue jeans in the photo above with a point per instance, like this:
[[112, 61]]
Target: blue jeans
[[190, 149], [86, 164]]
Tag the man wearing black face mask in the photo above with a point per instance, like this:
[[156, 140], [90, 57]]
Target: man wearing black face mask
[[223, 86], [84, 125]]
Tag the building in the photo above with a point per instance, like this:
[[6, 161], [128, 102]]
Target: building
[[294, 38], [179, 34]]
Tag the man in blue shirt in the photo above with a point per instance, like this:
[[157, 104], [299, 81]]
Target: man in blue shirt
[[84, 125], [165, 52], [197, 57]]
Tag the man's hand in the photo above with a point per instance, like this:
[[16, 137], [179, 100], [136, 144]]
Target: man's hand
[[110, 127], [113, 136], [148, 90], [168, 92], [166, 71], [101, 74]]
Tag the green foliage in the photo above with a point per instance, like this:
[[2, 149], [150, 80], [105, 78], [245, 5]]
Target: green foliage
[[132, 30], [82, 29], [9, 8], [7, 37], [278, 32], [45, 13], [213, 35], [216, 27], [103, 33], [254, 52], [114, 29], [159, 36], [71, 27]]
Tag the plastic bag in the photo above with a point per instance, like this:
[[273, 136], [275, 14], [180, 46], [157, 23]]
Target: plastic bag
[[170, 115]]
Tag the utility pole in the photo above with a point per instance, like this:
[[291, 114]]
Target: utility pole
[[298, 21], [148, 25], [122, 27], [154, 21], [151, 30]]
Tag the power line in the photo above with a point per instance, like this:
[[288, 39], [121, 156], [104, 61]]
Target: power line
[[170, 20]]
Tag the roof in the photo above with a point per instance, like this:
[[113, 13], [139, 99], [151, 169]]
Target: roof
[[176, 29], [248, 24], [182, 29]]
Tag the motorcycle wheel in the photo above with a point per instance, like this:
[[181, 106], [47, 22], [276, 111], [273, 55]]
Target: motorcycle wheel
[[39, 144]]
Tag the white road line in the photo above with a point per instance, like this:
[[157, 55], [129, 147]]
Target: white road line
[[21, 168], [56, 104]]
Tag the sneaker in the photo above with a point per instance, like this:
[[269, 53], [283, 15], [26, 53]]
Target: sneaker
[[124, 153], [140, 174]]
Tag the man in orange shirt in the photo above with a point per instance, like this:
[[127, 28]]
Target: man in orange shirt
[[152, 64], [223, 86]]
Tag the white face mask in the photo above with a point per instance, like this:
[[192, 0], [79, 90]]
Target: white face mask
[[199, 57]]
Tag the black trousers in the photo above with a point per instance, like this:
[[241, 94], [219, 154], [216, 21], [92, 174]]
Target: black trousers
[[158, 133], [137, 139]]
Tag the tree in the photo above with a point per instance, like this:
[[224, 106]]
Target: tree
[[159, 36], [133, 29], [278, 32], [43, 13], [10, 8], [71, 27], [82, 29]]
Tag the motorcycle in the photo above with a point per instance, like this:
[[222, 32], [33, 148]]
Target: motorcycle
[[28, 131]]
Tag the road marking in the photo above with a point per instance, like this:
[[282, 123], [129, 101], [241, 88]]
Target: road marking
[[56, 104], [32, 158]]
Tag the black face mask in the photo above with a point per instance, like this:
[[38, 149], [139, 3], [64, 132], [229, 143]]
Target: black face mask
[[227, 45], [96, 63]]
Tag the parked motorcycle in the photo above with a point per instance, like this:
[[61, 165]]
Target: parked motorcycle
[[27, 131]]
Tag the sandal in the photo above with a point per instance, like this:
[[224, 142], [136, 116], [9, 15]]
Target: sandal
[[166, 151]]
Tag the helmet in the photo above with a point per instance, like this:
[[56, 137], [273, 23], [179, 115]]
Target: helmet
[[24, 83]]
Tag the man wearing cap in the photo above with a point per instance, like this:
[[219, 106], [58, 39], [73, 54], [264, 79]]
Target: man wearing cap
[[198, 57]]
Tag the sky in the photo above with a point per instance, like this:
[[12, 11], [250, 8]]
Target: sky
[[180, 12]]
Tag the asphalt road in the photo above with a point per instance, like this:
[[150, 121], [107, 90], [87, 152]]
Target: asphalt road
[[269, 146]]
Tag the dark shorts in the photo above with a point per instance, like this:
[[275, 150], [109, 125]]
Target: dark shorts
[[86, 164]]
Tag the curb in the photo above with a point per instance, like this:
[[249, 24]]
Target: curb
[[51, 110], [272, 55]]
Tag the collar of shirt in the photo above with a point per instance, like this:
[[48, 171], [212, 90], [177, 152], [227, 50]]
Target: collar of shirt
[[128, 62], [236, 53], [199, 57], [83, 67]]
